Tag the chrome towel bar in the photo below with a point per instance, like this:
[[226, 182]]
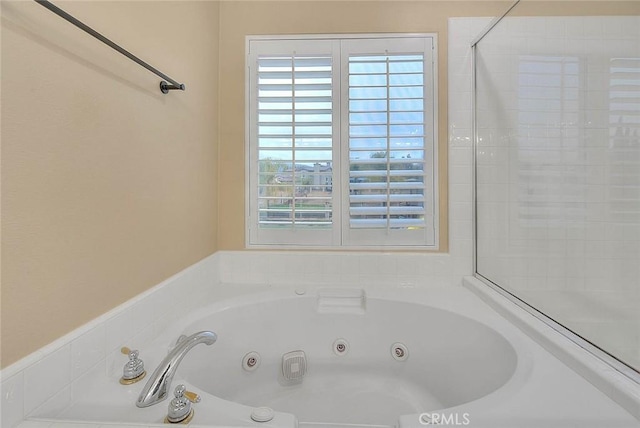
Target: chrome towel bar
[[165, 86]]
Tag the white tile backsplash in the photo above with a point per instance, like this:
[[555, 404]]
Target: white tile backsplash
[[46, 377], [116, 328], [87, 350], [81, 385], [12, 404], [36, 424], [45, 381], [337, 268], [54, 405], [71, 425]]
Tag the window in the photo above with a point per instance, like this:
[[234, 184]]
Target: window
[[341, 142]]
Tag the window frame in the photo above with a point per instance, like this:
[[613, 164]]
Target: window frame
[[340, 207]]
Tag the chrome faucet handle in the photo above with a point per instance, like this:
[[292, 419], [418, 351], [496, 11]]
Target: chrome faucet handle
[[180, 406], [133, 370]]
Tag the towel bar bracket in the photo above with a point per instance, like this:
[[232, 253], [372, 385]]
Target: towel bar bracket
[[166, 87]]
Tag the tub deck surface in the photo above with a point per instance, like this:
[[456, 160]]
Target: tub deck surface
[[542, 393]]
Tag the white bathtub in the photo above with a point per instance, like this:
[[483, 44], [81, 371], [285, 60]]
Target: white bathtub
[[451, 359], [465, 366]]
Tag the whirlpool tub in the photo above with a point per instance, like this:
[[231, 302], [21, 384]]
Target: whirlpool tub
[[356, 359], [323, 357]]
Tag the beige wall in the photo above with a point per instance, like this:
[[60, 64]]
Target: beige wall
[[108, 186], [577, 7]]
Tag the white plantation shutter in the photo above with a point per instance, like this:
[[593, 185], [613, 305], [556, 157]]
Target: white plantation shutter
[[341, 142], [292, 107], [390, 132]]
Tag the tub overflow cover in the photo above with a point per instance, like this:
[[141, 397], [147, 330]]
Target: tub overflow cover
[[262, 414]]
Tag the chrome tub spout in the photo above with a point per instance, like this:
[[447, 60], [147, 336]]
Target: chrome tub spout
[[158, 385]]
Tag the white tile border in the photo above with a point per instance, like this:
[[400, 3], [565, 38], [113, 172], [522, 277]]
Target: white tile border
[[367, 269], [48, 377], [12, 404]]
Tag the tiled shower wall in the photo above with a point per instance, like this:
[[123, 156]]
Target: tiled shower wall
[[559, 171]]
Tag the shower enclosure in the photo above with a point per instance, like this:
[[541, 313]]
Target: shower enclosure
[[557, 174]]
